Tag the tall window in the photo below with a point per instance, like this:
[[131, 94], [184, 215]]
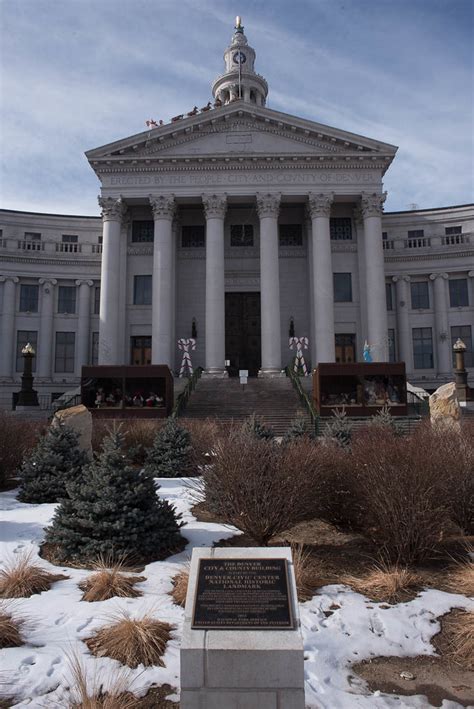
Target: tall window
[[64, 353], [342, 287], [415, 233], [96, 300], [28, 298], [388, 296], [451, 230], [142, 290], [340, 228], [143, 230], [193, 236], [464, 333], [69, 238], [392, 352], [241, 235], [291, 235], [345, 348], [22, 338], [32, 236], [422, 348], [140, 349], [67, 299], [420, 296], [458, 295], [95, 348]]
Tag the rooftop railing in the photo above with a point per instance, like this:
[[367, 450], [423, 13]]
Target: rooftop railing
[[49, 247]]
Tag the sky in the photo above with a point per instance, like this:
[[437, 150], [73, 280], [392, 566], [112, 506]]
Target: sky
[[77, 74]]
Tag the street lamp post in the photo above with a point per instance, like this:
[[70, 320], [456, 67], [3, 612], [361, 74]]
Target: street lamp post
[[27, 397], [460, 373]]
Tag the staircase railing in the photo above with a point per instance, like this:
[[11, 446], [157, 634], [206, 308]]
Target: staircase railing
[[183, 398], [304, 398]]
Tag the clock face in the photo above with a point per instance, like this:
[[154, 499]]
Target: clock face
[[239, 58]]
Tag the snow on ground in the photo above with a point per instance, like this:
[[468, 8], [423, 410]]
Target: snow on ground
[[58, 621]]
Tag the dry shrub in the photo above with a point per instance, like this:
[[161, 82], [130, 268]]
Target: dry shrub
[[180, 587], [132, 641], [108, 581], [88, 693], [461, 578], [454, 456], [100, 430], [10, 626], [17, 438], [205, 434], [305, 576], [386, 583], [459, 629], [139, 436], [22, 578]]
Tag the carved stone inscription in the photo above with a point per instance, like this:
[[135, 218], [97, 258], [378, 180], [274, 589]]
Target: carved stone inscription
[[242, 594]]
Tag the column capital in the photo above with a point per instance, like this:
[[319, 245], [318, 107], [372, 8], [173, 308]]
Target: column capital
[[470, 274], [372, 204], [396, 279], [14, 279], [215, 205], [82, 282], [434, 276], [46, 282], [113, 209], [162, 206], [358, 215], [268, 204], [319, 205]]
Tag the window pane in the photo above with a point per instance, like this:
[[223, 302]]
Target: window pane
[[241, 235], [69, 239], [22, 338], [392, 353], [340, 228], [422, 348], [291, 235], [388, 296], [416, 234], [64, 352], [464, 333], [32, 236], [143, 231], [458, 295], [66, 299], [142, 287], [342, 287], [95, 348], [449, 230], [420, 297], [29, 299], [193, 236], [96, 300]]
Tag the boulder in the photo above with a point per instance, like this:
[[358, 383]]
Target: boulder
[[80, 420], [445, 411]]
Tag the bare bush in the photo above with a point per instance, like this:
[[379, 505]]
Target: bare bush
[[386, 583], [22, 578], [204, 437], [17, 438], [108, 581]]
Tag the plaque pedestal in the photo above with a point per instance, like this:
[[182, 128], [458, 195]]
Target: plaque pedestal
[[241, 668]]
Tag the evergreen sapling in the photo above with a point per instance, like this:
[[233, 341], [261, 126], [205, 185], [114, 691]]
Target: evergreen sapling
[[254, 426], [171, 454], [339, 429]]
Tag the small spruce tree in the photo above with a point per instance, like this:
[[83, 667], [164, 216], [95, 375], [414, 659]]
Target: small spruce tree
[[254, 426], [383, 419], [56, 460], [298, 428], [171, 454], [113, 511], [339, 429]]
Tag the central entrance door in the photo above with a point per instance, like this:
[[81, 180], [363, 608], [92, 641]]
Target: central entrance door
[[242, 332]]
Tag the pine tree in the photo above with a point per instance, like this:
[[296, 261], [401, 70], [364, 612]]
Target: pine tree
[[298, 429], [383, 419], [114, 511], [339, 429], [254, 426], [56, 460], [171, 453]]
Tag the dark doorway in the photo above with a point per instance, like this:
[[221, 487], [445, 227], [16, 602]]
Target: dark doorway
[[242, 332], [141, 350], [345, 349]]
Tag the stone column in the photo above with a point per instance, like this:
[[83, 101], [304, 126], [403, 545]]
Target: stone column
[[215, 206], [164, 208], [319, 208], [312, 340], [377, 323], [442, 334], [403, 320], [176, 230], [7, 332], [268, 207], [83, 325], [44, 366], [113, 211]]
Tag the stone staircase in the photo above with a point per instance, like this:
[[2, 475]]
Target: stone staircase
[[274, 400]]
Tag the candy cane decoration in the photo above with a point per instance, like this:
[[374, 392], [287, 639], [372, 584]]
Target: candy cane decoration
[[301, 343], [185, 345]]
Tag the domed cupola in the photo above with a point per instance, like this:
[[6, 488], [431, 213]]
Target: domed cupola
[[240, 80]]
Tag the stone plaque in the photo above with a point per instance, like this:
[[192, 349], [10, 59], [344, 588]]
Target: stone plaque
[[242, 594]]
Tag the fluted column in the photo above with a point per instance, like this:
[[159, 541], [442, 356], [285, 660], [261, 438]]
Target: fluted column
[[319, 208], [403, 321], [83, 324], [443, 339], [268, 208], [44, 365], [164, 208], [7, 344], [113, 211], [312, 339], [215, 207], [377, 323]]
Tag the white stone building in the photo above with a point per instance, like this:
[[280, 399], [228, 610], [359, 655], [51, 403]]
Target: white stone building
[[237, 225]]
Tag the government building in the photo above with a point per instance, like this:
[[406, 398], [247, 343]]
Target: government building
[[237, 226]]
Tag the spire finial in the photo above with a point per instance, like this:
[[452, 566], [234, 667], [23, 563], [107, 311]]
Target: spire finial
[[238, 25]]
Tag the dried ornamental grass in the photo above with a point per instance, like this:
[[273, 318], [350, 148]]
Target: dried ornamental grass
[[386, 583], [305, 575], [132, 641], [461, 579], [10, 626], [180, 587], [89, 693], [460, 631], [108, 581], [22, 578]]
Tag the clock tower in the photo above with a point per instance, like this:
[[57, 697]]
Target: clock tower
[[240, 81]]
